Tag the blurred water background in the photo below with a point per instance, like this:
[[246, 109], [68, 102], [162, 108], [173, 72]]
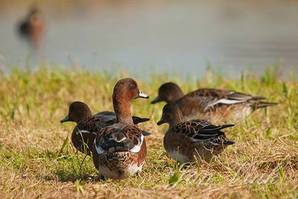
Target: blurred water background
[[156, 36]]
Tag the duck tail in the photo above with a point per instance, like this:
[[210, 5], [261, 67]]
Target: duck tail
[[263, 104], [226, 126], [229, 142], [259, 98], [137, 120]]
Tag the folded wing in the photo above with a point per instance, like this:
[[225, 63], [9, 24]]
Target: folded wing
[[117, 138], [199, 130]]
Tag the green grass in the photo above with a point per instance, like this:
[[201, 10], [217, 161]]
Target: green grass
[[38, 160]]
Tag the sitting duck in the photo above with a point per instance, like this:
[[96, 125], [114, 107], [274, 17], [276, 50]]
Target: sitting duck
[[217, 106], [194, 140]]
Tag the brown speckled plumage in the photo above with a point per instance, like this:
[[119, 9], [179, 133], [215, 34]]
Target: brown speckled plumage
[[117, 156], [195, 140]]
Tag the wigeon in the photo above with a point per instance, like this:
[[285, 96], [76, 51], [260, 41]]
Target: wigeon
[[217, 106], [194, 140], [119, 150]]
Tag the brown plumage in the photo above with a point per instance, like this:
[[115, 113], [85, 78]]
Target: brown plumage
[[119, 150], [84, 133], [218, 106], [194, 140]]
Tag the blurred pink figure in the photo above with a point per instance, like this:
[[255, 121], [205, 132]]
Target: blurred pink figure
[[32, 27]]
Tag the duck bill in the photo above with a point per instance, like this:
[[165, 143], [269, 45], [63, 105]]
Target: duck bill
[[157, 99], [66, 119], [143, 95], [160, 122]]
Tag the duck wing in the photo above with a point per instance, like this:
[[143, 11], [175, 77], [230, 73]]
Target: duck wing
[[109, 118], [118, 138], [200, 130], [210, 97]]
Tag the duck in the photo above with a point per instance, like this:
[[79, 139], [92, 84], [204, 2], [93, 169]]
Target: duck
[[119, 150], [217, 106], [32, 27], [194, 140], [87, 125]]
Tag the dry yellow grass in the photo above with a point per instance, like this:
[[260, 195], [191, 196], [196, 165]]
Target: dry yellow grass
[[38, 161]]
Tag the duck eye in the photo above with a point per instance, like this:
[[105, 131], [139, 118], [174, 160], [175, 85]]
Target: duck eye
[[132, 86]]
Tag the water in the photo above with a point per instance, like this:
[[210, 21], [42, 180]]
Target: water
[[143, 37]]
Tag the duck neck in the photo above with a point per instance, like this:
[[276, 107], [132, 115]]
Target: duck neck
[[123, 110], [178, 94], [177, 117], [84, 117], [87, 116], [174, 94]]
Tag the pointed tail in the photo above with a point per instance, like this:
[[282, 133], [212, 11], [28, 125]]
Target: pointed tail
[[229, 142], [226, 126], [263, 104], [137, 120]]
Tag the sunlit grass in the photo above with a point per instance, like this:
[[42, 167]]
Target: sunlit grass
[[38, 160]]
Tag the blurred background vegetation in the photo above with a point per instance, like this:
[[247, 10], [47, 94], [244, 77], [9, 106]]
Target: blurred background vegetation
[[159, 36]]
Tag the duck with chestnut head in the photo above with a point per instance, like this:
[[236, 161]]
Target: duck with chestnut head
[[119, 150]]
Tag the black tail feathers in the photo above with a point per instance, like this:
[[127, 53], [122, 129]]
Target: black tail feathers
[[137, 120], [263, 104]]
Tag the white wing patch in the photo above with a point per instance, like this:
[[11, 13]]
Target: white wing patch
[[137, 148], [223, 101]]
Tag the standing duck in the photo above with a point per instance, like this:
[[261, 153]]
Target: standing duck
[[32, 27], [119, 150], [194, 140], [217, 106], [84, 133]]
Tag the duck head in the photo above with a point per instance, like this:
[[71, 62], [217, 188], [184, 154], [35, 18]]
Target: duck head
[[78, 111], [168, 92], [127, 89], [169, 115], [124, 92]]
